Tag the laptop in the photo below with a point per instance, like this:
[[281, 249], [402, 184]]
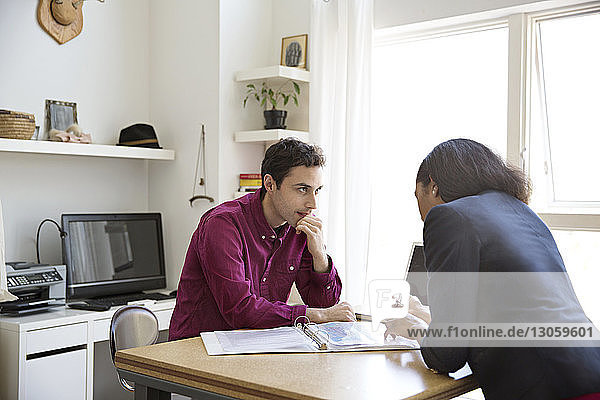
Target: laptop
[[416, 273]]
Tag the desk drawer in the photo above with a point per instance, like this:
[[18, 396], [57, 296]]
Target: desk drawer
[[56, 338]]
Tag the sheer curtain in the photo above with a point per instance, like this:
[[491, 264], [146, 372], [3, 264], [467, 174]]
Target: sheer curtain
[[5, 295], [340, 104]]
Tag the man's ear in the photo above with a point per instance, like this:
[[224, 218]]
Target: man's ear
[[269, 183]]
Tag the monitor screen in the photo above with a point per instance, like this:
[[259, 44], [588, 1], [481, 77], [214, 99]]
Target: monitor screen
[[110, 254], [416, 274]]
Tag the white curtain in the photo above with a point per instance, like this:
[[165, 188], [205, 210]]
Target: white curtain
[[340, 105], [5, 295]]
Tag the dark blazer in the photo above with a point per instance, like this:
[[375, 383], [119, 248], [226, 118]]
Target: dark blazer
[[494, 232]]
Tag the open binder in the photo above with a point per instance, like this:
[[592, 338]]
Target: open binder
[[303, 337]]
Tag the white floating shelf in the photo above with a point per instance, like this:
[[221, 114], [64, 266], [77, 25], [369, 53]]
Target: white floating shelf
[[81, 149], [274, 72], [269, 135]]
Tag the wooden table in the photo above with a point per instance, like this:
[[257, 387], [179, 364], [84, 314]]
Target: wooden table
[[184, 367]]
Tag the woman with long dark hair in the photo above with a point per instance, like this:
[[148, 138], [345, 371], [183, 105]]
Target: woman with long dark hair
[[490, 259]]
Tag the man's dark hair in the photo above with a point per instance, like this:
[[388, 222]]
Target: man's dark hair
[[464, 167], [287, 154]]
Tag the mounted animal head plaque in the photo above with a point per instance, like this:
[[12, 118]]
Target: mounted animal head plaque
[[61, 19]]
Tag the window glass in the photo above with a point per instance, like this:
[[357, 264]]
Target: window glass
[[425, 92], [565, 135]]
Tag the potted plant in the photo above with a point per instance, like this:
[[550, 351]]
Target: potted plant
[[274, 118]]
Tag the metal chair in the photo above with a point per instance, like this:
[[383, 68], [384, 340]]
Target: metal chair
[[131, 326]]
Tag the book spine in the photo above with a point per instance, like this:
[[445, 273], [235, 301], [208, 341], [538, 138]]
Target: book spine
[[250, 176], [250, 182]]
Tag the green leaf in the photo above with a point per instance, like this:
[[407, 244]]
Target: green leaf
[[245, 100], [271, 92], [257, 98], [262, 103], [274, 102], [295, 100], [296, 87], [286, 99], [251, 86]]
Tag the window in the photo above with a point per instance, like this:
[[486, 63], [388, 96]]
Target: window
[[527, 86], [565, 123], [426, 91]]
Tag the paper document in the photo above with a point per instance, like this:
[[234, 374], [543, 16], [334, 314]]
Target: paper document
[[331, 336]]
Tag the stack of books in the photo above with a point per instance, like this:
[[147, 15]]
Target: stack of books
[[250, 182]]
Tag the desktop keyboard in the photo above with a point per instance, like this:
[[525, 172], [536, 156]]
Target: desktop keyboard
[[122, 299]]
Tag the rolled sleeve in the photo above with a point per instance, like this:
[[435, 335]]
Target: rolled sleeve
[[318, 289], [221, 249]]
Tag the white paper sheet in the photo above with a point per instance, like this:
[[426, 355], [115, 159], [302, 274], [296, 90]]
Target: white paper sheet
[[342, 336]]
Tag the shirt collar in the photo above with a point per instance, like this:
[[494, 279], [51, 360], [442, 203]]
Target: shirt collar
[[263, 227]]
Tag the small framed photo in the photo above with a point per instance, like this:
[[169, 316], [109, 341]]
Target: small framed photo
[[293, 51], [60, 114]]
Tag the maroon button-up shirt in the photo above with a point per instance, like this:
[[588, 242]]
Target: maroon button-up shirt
[[238, 273]]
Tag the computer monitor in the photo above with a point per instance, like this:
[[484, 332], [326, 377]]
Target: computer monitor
[[109, 254]]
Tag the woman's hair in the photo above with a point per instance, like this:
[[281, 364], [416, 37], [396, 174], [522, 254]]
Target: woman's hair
[[464, 167]]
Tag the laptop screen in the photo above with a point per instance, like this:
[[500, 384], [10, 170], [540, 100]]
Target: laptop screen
[[416, 273]]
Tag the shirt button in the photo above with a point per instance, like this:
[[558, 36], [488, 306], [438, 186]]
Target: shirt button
[[272, 236], [264, 279], [328, 287], [263, 236], [291, 267]]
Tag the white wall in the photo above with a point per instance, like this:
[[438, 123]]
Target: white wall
[[184, 94], [105, 71], [245, 42]]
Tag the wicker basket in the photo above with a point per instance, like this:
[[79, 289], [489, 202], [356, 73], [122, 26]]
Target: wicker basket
[[16, 125]]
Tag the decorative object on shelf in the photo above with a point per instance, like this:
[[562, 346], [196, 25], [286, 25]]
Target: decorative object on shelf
[[139, 135], [293, 51], [60, 115], [16, 125], [201, 182], [250, 182], [73, 134], [274, 118], [61, 19]]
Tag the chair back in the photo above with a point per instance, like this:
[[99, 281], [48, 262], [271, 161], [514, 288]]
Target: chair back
[[131, 326]]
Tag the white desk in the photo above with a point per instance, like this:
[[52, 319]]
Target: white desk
[[51, 355]]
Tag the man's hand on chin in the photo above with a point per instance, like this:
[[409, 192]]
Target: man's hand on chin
[[312, 226], [341, 312]]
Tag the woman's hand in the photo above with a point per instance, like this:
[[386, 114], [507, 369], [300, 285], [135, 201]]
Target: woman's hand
[[410, 327], [416, 308]]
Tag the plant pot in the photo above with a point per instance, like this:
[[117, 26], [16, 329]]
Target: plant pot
[[275, 119]]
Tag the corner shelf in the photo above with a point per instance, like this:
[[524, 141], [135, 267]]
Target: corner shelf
[[274, 73], [269, 135], [81, 149]]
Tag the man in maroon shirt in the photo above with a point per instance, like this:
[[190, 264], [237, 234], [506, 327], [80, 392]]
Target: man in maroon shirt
[[246, 254]]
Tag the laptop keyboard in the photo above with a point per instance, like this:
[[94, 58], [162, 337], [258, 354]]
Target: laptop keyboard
[[123, 299]]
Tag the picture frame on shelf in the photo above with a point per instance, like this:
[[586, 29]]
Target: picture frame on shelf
[[60, 114], [293, 51]]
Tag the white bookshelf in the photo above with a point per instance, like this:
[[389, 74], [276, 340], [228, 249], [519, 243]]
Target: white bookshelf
[[269, 135], [273, 73], [81, 149]]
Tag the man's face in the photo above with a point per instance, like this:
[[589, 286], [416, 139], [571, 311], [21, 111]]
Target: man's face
[[297, 195]]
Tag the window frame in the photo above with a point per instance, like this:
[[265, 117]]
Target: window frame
[[521, 72]]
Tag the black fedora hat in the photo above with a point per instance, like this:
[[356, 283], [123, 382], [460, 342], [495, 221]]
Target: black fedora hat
[[139, 135]]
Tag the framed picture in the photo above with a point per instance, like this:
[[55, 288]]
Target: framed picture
[[60, 114], [293, 51]]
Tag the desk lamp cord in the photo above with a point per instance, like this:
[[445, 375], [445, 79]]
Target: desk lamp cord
[[63, 234]]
